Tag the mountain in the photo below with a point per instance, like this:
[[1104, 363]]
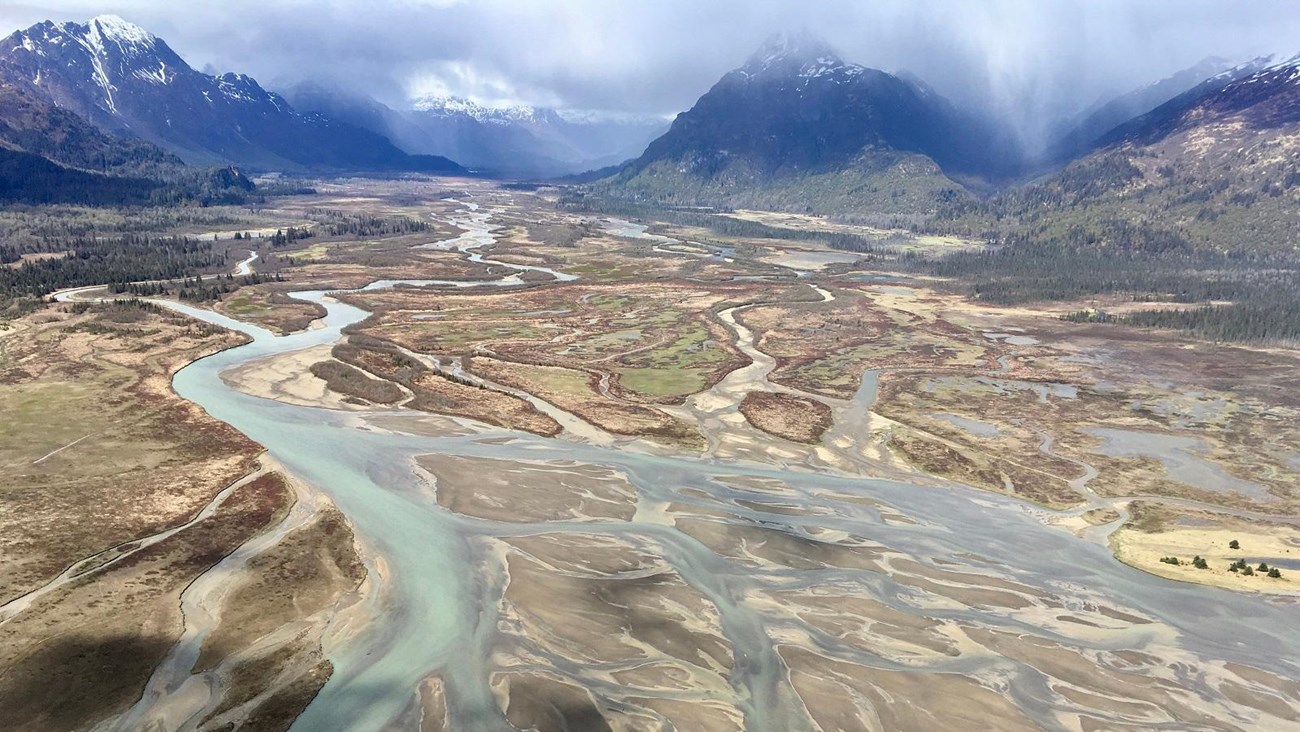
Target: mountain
[[515, 141], [1260, 95], [33, 179], [1213, 171], [356, 110], [32, 123], [534, 141], [1092, 124], [129, 83], [50, 155], [797, 126]]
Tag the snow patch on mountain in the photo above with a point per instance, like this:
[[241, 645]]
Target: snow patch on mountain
[[109, 43], [157, 76], [1290, 63], [99, 75], [1273, 67], [801, 57]]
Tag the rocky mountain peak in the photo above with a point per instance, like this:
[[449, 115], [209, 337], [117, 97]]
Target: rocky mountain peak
[[799, 46], [129, 38], [103, 36], [793, 53]]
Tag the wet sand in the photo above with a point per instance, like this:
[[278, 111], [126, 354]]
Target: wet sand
[[515, 491], [288, 378]]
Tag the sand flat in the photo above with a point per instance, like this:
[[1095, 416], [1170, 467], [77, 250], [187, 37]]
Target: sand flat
[[507, 490]]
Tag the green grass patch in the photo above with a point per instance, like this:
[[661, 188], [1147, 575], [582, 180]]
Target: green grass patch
[[662, 382], [243, 304], [679, 368]]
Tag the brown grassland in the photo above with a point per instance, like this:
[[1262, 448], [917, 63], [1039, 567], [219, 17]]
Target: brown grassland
[[107, 463]]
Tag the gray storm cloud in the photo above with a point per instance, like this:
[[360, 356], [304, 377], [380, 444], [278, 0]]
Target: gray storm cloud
[[1030, 61]]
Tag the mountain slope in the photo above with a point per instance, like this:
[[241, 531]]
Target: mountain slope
[[1078, 138], [515, 141], [32, 123], [796, 113], [51, 155], [1216, 170], [33, 179], [1261, 95], [130, 83], [1193, 204]]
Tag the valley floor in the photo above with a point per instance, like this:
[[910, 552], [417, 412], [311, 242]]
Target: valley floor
[[688, 481]]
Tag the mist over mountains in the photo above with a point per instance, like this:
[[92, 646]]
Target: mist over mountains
[[129, 83], [509, 141], [109, 97], [1028, 64]]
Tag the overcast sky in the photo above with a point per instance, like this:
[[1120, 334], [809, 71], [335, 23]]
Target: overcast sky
[[1031, 59]]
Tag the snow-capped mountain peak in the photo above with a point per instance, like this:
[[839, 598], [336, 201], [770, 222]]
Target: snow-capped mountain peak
[[800, 46], [99, 35], [797, 106], [811, 54], [106, 50], [800, 56], [491, 114], [242, 88], [129, 37]]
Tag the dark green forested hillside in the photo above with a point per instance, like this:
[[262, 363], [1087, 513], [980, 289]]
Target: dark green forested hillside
[[51, 155], [873, 184], [28, 178], [32, 179], [35, 125]]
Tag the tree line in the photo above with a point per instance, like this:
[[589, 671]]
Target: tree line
[[196, 288], [117, 261]]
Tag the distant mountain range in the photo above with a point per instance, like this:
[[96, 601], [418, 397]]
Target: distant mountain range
[[116, 78], [795, 127], [515, 141], [130, 84]]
